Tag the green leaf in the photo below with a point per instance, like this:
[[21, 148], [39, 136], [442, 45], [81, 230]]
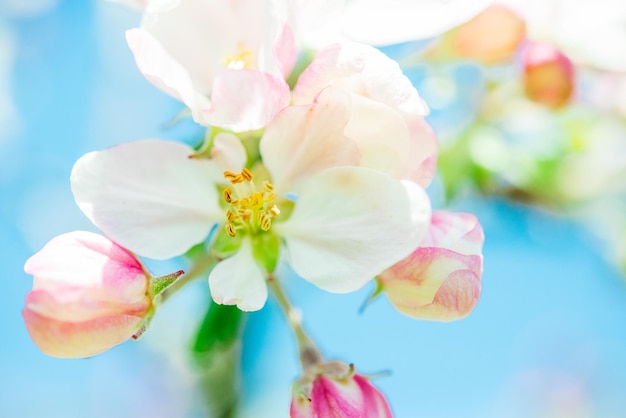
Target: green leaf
[[217, 354]]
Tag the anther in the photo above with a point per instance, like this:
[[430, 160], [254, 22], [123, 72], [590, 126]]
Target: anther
[[265, 222], [230, 216], [274, 211], [269, 187], [228, 195], [230, 230], [246, 174], [232, 177], [245, 214]]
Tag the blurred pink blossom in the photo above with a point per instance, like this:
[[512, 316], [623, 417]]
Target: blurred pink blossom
[[548, 75]]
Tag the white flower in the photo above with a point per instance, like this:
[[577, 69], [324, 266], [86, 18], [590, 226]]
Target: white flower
[[347, 223], [384, 104], [225, 61]]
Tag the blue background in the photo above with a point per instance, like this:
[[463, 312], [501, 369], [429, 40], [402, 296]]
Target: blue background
[[546, 339]]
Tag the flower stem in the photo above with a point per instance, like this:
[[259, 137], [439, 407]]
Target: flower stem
[[309, 353]]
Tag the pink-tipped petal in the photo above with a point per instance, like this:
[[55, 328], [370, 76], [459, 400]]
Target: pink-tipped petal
[[66, 339], [285, 50], [441, 279], [386, 111], [363, 70], [304, 140], [244, 100]]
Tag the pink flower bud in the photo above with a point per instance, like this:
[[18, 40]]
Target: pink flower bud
[[441, 279], [334, 390], [548, 75], [89, 294]]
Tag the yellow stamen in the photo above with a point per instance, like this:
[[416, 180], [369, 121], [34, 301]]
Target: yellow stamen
[[245, 214], [234, 178], [242, 59], [230, 216], [230, 230], [268, 187], [228, 195], [265, 222], [250, 211], [274, 211], [247, 175]]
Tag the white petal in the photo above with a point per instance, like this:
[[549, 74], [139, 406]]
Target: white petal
[[316, 23], [303, 140], [349, 224], [392, 21], [244, 100], [381, 135], [238, 280], [165, 72], [148, 196]]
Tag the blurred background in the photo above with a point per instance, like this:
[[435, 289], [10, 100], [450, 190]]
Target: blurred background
[[542, 166]]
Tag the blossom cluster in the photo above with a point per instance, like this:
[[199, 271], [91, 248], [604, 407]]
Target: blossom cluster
[[540, 108], [316, 155]]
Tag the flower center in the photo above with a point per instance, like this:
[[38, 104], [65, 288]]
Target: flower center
[[243, 58], [250, 210]]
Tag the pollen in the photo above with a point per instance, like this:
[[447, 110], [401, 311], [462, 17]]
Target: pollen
[[242, 59], [249, 210]]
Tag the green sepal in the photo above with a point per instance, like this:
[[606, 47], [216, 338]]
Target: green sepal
[[304, 59], [224, 245], [205, 148], [266, 250], [250, 141], [159, 284]]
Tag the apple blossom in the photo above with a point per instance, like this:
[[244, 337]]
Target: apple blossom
[[225, 61], [441, 279], [548, 75], [339, 224], [89, 294], [386, 119], [335, 390]]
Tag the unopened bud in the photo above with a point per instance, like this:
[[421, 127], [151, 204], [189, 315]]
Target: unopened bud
[[89, 294], [548, 75], [335, 390]]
